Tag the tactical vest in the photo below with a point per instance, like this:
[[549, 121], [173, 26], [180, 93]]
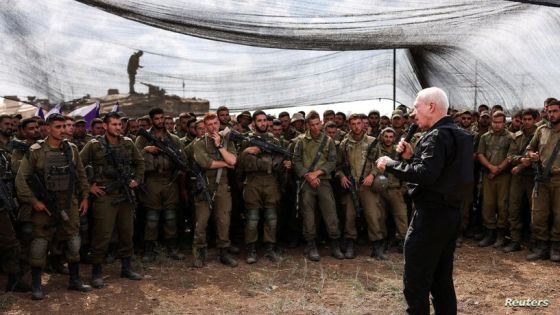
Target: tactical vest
[[57, 171], [263, 162], [160, 163], [110, 170], [5, 166]]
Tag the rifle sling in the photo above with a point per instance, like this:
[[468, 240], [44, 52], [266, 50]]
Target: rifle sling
[[550, 162]]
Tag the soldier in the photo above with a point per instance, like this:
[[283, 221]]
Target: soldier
[[259, 173], [331, 131], [315, 159], [521, 180], [397, 123], [354, 170], [544, 149], [169, 124], [328, 116], [391, 196], [516, 122], [340, 121], [215, 154], [57, 163], [183, 125], [244, 120], [132, 67], [298, 122], [373, 119], [118, 169], [492, 154], [97, 127], [289, 132], [162, 190], [224, 117], [80, 134], [69, 129], [9, 245], [132, 128]]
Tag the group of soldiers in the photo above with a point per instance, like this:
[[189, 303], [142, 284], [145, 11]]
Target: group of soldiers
[[155, 182]]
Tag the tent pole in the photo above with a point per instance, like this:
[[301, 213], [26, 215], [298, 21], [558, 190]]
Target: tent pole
[[394, 79]]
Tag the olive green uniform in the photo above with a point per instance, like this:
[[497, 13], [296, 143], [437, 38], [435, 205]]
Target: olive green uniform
[[112, 210], [259, 174], [25, 210], [9, 245], [392, 198], [547, 204], [495, 146], [162, 189], [80, 142], [306, 148], [52, 167], [354, 152], [290, 133], [521, 184], [204, 152]]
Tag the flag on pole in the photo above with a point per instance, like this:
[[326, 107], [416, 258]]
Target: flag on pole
[[40, 113], [115, 107], [89, 112], [55, 110]]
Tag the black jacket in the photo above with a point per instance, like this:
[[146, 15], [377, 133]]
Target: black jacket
[[441, 171]]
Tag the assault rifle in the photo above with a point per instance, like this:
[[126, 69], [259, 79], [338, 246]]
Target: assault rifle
[[123, 177], [353, 187], [174, 156], [49, 199], [260, 142], [6, 198]]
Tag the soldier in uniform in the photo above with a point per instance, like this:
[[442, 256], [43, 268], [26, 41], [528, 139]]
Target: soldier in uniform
[[49, 161], [391, 196], [289, 132], [492, 154], [183, 125], [161, 199], [521, 185], [355, 160], [216, 155], [258, 171], [397, 123], [315, 159], [116, 162], [298, 122], [9, 245], [244, 120], [373, 120], [546, 196], [80, 134], [224, 117]]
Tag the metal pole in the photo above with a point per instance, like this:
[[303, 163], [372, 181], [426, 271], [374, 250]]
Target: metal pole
[[394, 79], [475, 83]]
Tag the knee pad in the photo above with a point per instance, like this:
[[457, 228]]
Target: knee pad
[[252, 219], [270, 214], [170, 219], [38, 252], [73, 248], [152, 218]]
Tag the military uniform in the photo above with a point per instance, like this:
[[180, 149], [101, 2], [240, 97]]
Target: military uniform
[[521, 184], [112, 210], [259, 174], [290, 133], [306, 149], [25, 210], [546, 204], [354, 153], [495, 146], [51, 166], [204, 153], [80, 142], [161, 197]]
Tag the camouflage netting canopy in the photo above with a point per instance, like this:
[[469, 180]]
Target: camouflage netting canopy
[[268, 53]]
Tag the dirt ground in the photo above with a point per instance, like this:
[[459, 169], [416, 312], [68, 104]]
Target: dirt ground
[[484, 279]]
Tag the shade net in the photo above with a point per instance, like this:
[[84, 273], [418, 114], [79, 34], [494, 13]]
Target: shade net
[[251, 54]]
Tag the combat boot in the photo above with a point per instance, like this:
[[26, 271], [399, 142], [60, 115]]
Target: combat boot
[[97, 276], [149, 252], [251, 254], [540, 251], [234, 250], [555, 251], [126, 270], [226, 258], [335, 249], [349, 252], [311, 251], [500, 239], [513, 246], [74, 282], [271, 254], [199, 257], [16, 284], [173, 250], [378, 251], [36, 289], [489, 238]]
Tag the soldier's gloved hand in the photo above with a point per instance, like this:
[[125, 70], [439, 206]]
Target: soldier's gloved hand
[[97, 191]]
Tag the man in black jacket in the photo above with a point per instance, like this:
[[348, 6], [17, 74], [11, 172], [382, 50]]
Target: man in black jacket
[[440, 171]]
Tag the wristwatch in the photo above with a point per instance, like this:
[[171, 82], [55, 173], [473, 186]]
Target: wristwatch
[[220, 146]]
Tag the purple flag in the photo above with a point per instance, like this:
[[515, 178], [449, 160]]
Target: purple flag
[[40, 112], [89, 112]]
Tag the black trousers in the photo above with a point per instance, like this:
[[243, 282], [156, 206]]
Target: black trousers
[[428, 254]]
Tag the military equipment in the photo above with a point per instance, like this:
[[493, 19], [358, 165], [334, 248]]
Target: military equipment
[[67, 150], [543, 175], [20, 146], [7, 201], [309, 169], [380, 183], [46, 197], [174, 156], [261, 143], [353, 188]]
